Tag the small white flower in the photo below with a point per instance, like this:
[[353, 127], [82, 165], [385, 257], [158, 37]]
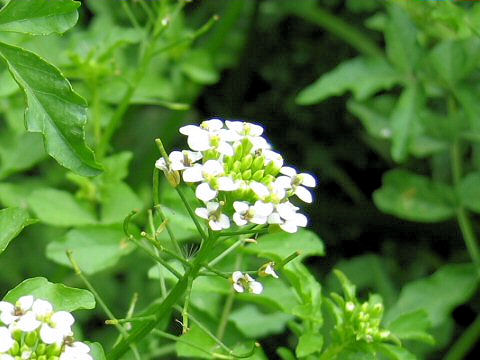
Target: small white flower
[[26, 323], [268, 270], [294, 181], [213, 213], [42, 308], [273, 157], [256, 214], [7, 313], [6, 340], [291, 218], [57, 328], [245, 283], [76, 351], [250, 131], [179, 160]]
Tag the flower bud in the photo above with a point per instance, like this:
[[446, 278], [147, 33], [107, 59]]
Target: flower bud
[[268, 269], [246, 162], [257, 163], [247, 174], [41, 349], [31, 338], [258, 175]]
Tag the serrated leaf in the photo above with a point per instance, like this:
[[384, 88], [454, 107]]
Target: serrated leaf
[[38, 17], [362, 76], [53, 109], [95, 247], [415, 197], [46, 204], [309, 343], [12, 222], [437, 294], [62, 297], [412, 326], [278, 246]]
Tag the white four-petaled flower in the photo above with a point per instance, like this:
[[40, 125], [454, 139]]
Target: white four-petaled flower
[[255, 214], [245, 283], [213, 213], [76, 351], [297, 182]]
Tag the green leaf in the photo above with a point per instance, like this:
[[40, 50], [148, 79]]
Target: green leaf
[[203, 345], [414, 197], [412, 326], [254, 324], [403, 121], [38, 17], [96, 351], [395, 352], [63, 298], [278, 246], [12, 221], [363, 76], [46, 204], [309, 343], [376, 124], [95, 247], [116, 167], [437, 294], [403, 50], [468, 191], [16, 195], [53, 109], [20, 153], [199, 66], [118, 200]]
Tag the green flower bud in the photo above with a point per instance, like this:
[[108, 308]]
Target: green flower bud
[[247, 146], [268, 179], [258, 163], [258, 175], [31, 339], [247, 174], [237, 166], [246, 162], [41, 349], [15, 348], [53, 358], [238, 152], [53, 350], [42, 357], [272, 169], [173, 177], [229, 160]]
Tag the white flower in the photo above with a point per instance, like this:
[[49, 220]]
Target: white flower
[[6, 357], [273, 157], [271, 193], [179, 160], [7, 313], [210, 135], [245, 283], [42, 308], [250, 131], [6, 341], [213, 213], [291, 219], [26, 323], [24, 303], [57, 328], [76, 351], [268, 270], [294, 181], [256, 214]]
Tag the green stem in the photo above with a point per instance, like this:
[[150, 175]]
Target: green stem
[[99, 299], [463, 217], [191, 213], [351, 35], [243, 232], [188, 292], [173, 239], [464, 344]]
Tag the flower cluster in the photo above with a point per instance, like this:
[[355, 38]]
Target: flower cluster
[[364, 320], [238, 176], [31, 329]]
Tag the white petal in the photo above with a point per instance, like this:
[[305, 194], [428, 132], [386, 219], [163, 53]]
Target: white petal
[[289, 226], [303, 194], [239, 220], [42, 307], [300, 220], [62, 319], [5, 306], [284, 182], [6, 341], [227, 184], [259, 143], [255, 287], [286, 210], [260, 189], [225, 148], [259, 220], [193, 174], [194, 155], [241, 206], [254, 130], [176, 156], [189, 130], [235, 125], [270, 271], [263, 209], [308, 180], [28, 322], [289, 171], [224, 221], [274, 218], [6, 357], [213, 168], [212, 206], [212, 124], [161, 164], [199, 141], [237, 275], [50, 335], [273, 156], [215, 225], [177, 166], [238, 288], [25, 302], [204, 192], [202, 212]]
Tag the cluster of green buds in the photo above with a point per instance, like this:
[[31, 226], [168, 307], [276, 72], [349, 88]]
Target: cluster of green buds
[[31, 329]]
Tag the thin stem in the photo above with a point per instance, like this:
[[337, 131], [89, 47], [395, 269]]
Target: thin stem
[[173, 239], [243, 232], [129, 314], [215, 271], [99, 299], [130, 320], [463, 217], [185, 306], [161, 278], [285, 261], [464, 344], [191, 213], [130, 15]]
